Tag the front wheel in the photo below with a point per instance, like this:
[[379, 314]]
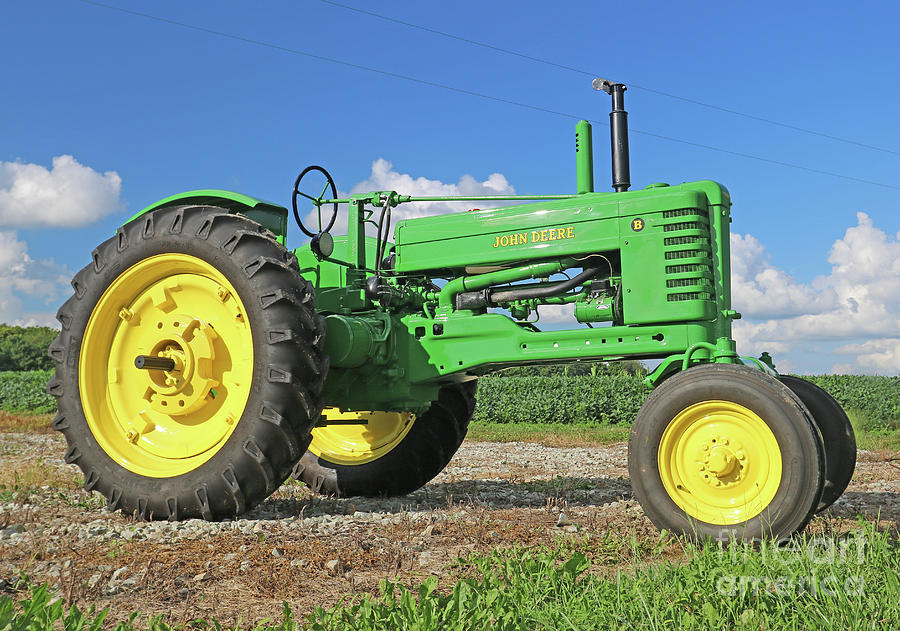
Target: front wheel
[[189, 365], [726, 451], [375, 454]]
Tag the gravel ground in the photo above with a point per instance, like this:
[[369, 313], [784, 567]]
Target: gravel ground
[[312, 551]]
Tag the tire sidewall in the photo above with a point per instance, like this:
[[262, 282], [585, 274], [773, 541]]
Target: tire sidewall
[[784, 414], [208, 490], [837, 436]]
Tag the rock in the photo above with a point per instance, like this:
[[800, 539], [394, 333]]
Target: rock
[[93, 580], [429, 530], [425, 558], [200, 577], [563, 521], [128, 583], [118, 574], [9, 531], [334, 566], [230, 556], [180, 580], [276, 552], [571, 528], [184, 592]]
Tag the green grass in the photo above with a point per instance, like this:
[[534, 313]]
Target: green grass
[[550, 434], [875, 434], [735, 587], [849, 582], [26, 422]]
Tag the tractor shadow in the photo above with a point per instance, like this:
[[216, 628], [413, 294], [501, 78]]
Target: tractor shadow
[[294, 499]]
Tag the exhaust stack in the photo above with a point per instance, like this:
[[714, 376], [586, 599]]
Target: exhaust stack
[[618, 133]]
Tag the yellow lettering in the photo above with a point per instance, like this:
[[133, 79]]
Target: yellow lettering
[[504, 240], [535, 236], [523, 237], [570, 232], [496, 241], [560, 233], [543, 235]]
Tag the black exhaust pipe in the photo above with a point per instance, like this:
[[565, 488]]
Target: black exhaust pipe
[[618, 133]]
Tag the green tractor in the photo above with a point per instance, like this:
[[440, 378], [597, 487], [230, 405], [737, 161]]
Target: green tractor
[[201, 362]]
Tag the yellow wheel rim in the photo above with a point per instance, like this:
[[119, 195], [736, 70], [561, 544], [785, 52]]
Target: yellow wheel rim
[[355, 438], [165, 423], [719, 462]]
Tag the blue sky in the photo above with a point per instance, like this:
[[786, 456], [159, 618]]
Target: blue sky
[[146, 109]]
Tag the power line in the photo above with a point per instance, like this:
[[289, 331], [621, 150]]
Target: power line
[[630, 84], [489, 97]]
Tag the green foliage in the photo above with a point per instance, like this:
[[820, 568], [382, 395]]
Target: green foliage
[[841, 583], [550, 396], [878, 398], [824, 583], [44, 611], [563, 399], [25, 392], [25, 348]]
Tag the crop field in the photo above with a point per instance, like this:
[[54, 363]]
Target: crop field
[[531, 526]]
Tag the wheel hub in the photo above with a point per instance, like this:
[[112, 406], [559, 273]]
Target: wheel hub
[[190, 344], [722, 462], [719, 462], [158, 422]]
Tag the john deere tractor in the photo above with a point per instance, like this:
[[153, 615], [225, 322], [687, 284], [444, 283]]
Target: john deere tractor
[[201, 362]]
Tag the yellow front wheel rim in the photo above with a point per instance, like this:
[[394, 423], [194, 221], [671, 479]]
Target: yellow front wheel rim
[[355, 438], [166, 423], [719, 462]]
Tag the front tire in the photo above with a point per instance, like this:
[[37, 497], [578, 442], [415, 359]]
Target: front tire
[[725, 451], [837, 437], [215, 293], [392, 453]]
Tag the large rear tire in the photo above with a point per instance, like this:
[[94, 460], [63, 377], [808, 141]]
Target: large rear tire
[[218, 296], [388, 454], [837, 436], [726, 451]]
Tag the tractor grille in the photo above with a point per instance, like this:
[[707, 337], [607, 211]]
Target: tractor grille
[[687, 241]]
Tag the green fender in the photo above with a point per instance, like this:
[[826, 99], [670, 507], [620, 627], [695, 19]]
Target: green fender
[[267, 214]]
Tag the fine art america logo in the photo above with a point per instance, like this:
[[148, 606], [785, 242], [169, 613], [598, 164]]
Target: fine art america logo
[[822, 566]]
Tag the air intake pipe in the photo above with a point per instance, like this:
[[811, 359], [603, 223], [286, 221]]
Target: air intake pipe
[[618, 133]]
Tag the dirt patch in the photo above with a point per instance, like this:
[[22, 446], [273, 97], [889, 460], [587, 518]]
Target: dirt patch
[[312, 551]]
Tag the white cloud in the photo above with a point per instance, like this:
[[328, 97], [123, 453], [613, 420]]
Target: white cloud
[[383, 177], [67, 195], [760, 288], [552, 314], [880, 356], [857, 304], [26, 283]]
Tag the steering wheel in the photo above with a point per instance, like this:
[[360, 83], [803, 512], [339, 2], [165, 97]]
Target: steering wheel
[[315, 200]]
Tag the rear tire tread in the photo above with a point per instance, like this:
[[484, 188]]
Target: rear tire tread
[[298, 360]]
